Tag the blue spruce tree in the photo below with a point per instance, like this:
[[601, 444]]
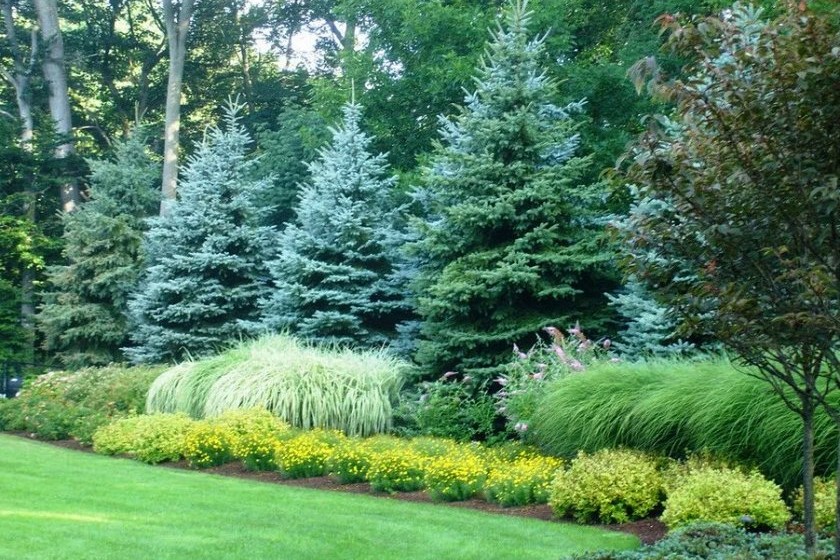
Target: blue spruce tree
[[338, 273], [511, 241], [83, 315], [206, 256]]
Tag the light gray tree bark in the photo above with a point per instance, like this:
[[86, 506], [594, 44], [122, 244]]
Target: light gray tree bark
[[177, 24]]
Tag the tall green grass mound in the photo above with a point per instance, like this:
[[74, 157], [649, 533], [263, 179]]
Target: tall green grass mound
[[306, 386], [675, 408]]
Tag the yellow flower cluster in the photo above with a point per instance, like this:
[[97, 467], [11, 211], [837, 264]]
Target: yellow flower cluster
[[522, 481], [208, 444], [306, 454], [400, 469], [256, 433], [455, 476]]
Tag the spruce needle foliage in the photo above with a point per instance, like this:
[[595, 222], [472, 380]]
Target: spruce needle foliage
[[83, 317], [306, 386], [676, 408], [206, 256], [337, 272], [510, 242]]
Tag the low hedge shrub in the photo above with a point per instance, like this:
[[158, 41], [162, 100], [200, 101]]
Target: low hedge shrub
[[150, 438], [609, 486], [208, 445], [825, 496], [400, 469], [724, 495], [522, 481], [455, 476], [306, 454]]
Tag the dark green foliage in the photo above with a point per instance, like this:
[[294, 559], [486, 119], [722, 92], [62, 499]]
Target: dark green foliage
[[337, 272], [457, 409], [284, 154], [714, 541], [674, 408], [206, 257], [60, 405], [510, 242], [83, 317]]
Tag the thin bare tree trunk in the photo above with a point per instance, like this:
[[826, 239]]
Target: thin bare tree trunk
[[177, 28], [55, 75]]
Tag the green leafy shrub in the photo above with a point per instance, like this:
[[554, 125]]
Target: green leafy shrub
[[825, 496], [306, 386], [609, 486], [455, 476], [715, 541], [456, 409], [677, 407], [207, 444], [350, 459], [59, 405], [255, 434], [150, 438], [522, 481], [726, 496], [306, 454]]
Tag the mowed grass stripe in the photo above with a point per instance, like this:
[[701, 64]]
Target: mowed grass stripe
[[59, 504]]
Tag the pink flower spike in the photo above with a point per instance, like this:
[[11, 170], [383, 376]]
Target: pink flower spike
[[501, 381], [519, 353], [606, 344], [615, 360], [538, 375], [521, 427], [449, 374], [466, 379], [576, 365], [560, 352]]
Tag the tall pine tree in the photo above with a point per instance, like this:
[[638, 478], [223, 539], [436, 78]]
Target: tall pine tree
[[206, 256], [511, 242], [337, 274], [83, 316]]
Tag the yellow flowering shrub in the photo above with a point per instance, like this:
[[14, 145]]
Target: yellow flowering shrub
[[456, 476], [824, 501], [433, 446], [609, 486], [152, 438], [306, 454], [208, 445], [724, 495], [401, 469], [255, 436], [524, 480]]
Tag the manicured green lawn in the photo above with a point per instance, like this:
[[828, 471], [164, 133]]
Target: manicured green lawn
[[62, 504]]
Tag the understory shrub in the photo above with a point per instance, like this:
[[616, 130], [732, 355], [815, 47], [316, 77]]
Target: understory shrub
[[609, 486], [825, 496], [150, 438], [522, 481], [726, 496], [60, 405], [715, 541], [678, 407], [455, 408], [306, 386]]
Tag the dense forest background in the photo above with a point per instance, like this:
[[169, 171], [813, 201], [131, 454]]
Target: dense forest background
[[403, 62]]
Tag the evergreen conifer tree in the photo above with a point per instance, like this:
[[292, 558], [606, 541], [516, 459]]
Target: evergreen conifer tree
[[206, 257], [510, 244], [338, 273], [83, 318]]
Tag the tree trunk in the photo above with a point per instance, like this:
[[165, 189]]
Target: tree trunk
[[177, 29], [55, 75], [808, 409]]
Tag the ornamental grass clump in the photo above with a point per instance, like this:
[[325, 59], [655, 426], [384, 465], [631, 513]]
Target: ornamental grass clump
[[725, 495], [522, 481], [304, 455], [151, 438], [455, 476], [208, 445], [306, 386], [609, 486]]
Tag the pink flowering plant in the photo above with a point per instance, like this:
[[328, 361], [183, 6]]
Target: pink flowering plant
[[552, 357]]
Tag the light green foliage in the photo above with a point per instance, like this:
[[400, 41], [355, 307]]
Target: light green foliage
[[678, 407], [206, 256], [60, 405], [724, 496], [150, 438], [825, 499], [207, 444], [83, 317], [609, 486], [306, 386], [337, 275], [510, 241]]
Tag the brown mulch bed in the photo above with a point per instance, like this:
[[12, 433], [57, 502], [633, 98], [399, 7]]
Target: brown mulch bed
[[647, 530]]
